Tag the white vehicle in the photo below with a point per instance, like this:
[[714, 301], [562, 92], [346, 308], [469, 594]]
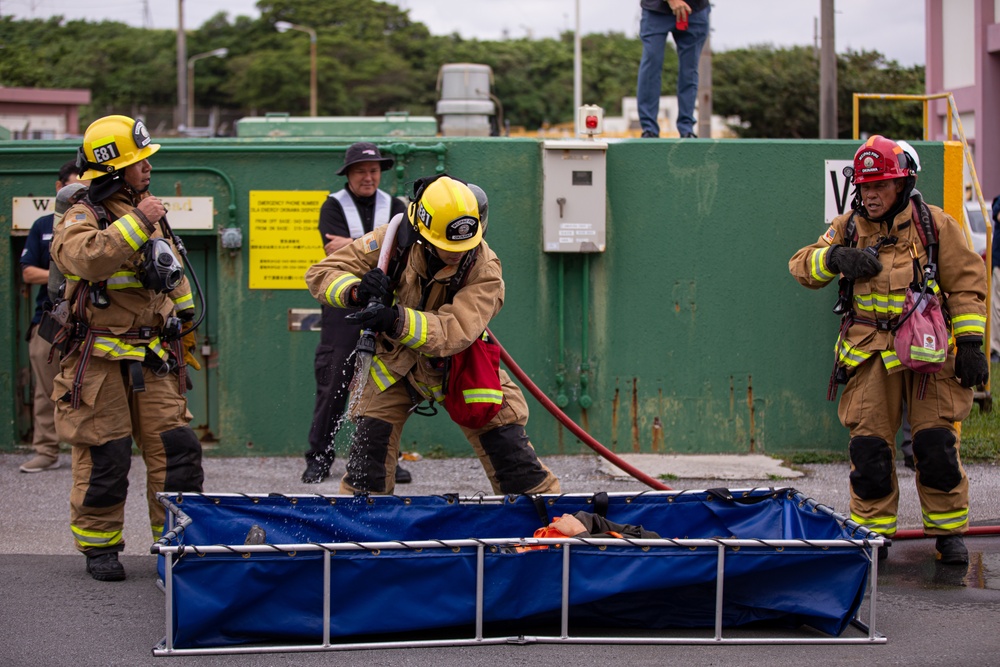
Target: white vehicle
[[977, 227]]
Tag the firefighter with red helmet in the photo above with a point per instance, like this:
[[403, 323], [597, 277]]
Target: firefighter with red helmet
[[123, 371], [443, 287], [872, 248]]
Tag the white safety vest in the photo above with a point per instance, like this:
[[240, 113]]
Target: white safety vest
[[383, 206]]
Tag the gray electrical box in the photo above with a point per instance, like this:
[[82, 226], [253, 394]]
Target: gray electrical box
[[573, 208]]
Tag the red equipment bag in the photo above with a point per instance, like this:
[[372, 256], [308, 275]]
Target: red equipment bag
[[922, 337], [472, 393]]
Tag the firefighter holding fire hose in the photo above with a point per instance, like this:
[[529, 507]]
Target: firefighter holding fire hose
[[429, 309], [877, 248]]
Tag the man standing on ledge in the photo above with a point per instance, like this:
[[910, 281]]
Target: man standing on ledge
[[688, 23]]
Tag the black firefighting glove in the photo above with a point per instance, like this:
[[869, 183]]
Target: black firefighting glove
[[971, 367], [377, 317], [373, 285], [854, 263]]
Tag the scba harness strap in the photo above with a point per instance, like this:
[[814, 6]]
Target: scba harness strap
[[922, 220], [78, 334]]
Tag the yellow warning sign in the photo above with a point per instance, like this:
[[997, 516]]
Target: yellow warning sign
[[284, 237]]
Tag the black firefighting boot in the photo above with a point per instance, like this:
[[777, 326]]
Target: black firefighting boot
[[105, 567], [317, 469], [952, 550], [403, 476]]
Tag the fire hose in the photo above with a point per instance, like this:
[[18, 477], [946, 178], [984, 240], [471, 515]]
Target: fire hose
[[571, 425]]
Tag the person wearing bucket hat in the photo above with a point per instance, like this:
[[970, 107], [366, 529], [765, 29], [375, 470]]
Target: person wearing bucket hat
[[347, 214]]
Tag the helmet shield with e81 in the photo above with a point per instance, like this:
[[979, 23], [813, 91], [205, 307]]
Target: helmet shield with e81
[[446, 214], [880, 159], [112, 143]]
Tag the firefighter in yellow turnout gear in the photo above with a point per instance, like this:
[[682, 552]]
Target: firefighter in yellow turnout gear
[[878, 258], [123, 375], [447, 285]]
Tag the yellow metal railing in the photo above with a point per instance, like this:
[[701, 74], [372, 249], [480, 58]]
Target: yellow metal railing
[[951, 116]]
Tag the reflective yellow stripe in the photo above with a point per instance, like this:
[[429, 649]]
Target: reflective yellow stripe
[[963, 325], [416, 329], [90, 539], [946, 520], [131, 231], [337, 291], [818, 268], [435, 391], [919, 353], [884, 525], [157, 531], [184, 301], [851, 356], [119, 350], [881, 304], [156, 348], [381, 375], [890, 360], [480, 395]]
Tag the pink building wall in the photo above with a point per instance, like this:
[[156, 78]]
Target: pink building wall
[[982, 99]]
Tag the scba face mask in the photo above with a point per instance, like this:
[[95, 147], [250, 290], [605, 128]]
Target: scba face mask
[[160, 271]]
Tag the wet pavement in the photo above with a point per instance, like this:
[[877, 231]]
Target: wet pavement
[[52, 613]]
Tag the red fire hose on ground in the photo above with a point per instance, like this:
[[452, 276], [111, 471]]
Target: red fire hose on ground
[[572, 425], [635, 472]]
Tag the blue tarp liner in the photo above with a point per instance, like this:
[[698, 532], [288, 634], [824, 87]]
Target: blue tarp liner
[[233, 598]]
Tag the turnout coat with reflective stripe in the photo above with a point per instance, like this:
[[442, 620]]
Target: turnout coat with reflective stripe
[[961, 281], [438, 330], [84, 252]]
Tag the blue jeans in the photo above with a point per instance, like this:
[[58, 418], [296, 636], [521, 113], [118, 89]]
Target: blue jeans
[[653, 30]]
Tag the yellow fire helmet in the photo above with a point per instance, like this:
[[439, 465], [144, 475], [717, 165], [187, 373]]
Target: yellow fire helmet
[[113, 143], [446, 215]]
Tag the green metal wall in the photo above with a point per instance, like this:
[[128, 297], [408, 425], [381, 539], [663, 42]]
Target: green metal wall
[[687, 335]]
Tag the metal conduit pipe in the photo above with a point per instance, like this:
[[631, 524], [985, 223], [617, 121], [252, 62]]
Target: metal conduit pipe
[[585, 400], [561, 399], [571, 425]]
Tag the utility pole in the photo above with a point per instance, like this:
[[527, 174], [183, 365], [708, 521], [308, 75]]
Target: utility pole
[[182, 112], [577, 71], [827, 74], [705, 90]]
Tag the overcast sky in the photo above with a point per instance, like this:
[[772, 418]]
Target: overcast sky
[[893, 27]]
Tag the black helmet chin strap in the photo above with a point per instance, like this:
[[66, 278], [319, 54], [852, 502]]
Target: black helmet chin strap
[[82, 163]]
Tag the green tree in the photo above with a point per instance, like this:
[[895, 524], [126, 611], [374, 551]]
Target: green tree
[[775, 92]]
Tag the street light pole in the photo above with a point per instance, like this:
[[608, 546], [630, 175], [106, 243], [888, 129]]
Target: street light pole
[[284, 26], [182, 111], [217, 53]]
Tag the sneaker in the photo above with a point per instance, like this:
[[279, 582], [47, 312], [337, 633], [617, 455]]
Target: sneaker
[[688, 135], [40, 463], [403, 476], [105, 567], [952, 550], [649, 134], [315, 472]]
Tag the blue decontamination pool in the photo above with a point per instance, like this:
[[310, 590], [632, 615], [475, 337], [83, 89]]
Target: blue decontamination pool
[[275, 572]]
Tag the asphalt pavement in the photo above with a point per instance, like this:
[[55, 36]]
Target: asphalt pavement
[[52, 613]]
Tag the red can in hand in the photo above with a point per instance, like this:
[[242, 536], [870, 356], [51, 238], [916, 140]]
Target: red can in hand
[[682, 24]]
